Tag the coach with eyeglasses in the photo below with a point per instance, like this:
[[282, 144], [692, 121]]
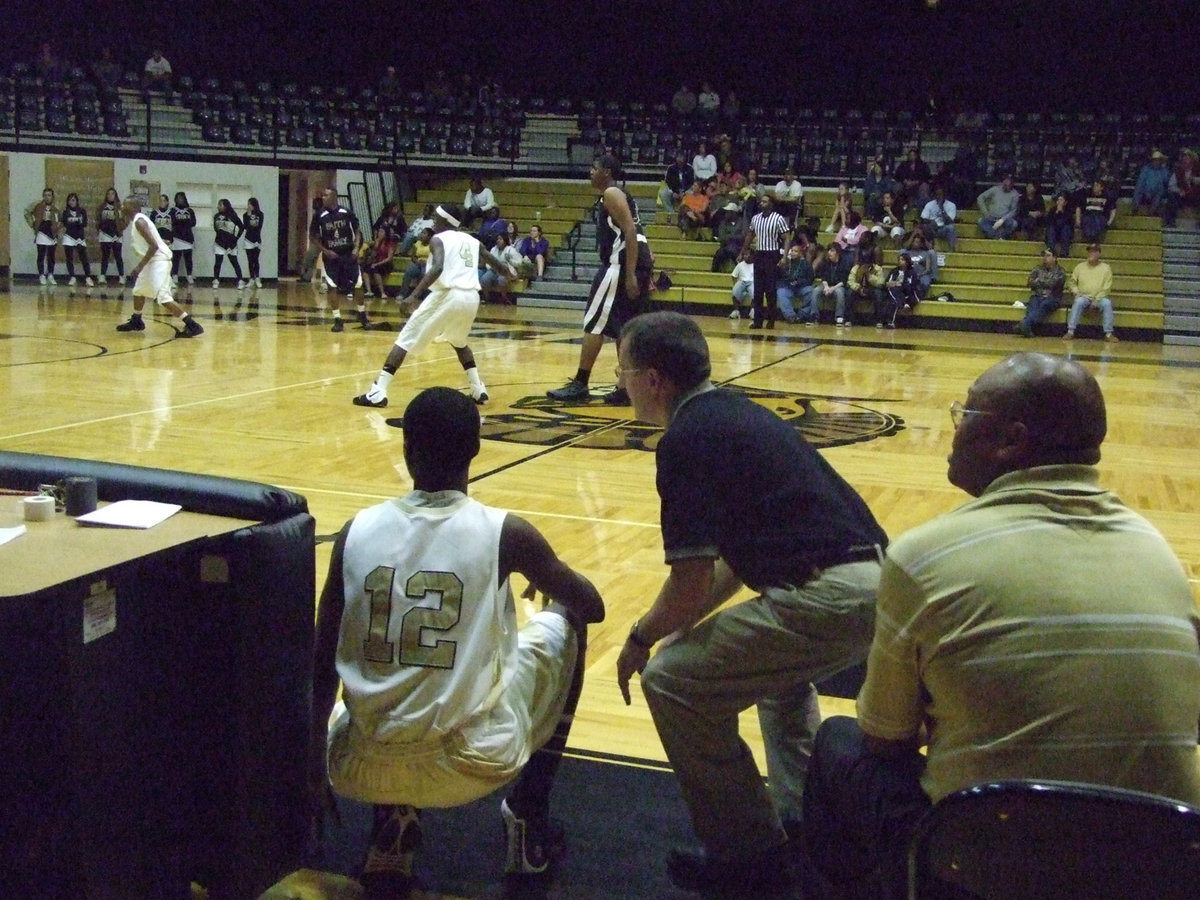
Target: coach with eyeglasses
[[1041, 630]]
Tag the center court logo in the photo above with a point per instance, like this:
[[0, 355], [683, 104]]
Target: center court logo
[[824, 422]]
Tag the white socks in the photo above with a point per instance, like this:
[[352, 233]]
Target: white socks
[[379, 388]]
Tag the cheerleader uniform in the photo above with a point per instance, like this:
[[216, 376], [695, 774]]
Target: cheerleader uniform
[[227, 228], [75, 239], [183, 221], [44, 221], [252, 244], [109, 233], [163, 224]]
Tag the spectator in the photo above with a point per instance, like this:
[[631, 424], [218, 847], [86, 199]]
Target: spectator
[[938, 218], [708, 103], [731, 109], [1091, 283], [377, 261], [693, 210], [683, 103], [732, 236], [924, 263], [843, 203], [1060, 226], [392, 221], [867, 282], [1097, 213], [1183, 188], [413, 234], [1031, 211], [1001, 634], [388, 89], [1046, 286], [889, 222], [998, 206], [494, 282], [789, 196], [420, 257], [1150, 192], [48, 66], [1070, 180], [875, 185], [45, 219], [677, 182], [1106, 176], [796, 279], [743, 282], [914, 175], [106, 71], [418, 728], [901, 290], [438, 87], [832, 277], [156, 74], [789, 526], [704, 164], [535, 250], [850, 235], [727, 200], [478, 201], [492, 227]]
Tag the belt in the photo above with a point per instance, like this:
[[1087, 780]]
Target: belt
[[857, 553]]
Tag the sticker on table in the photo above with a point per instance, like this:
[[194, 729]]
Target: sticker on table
[[99, 612]]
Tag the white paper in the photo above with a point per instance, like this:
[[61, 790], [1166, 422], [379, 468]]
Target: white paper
[[131, 514], [99, 612], [7, 534]]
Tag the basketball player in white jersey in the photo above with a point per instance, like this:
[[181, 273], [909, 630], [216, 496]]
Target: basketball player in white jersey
[[153, 272], [445, 700], [452, 277]]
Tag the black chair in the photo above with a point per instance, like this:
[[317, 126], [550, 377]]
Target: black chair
[[1038, 840]]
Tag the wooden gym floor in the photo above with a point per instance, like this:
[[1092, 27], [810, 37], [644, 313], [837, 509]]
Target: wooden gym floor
[[265, 395]]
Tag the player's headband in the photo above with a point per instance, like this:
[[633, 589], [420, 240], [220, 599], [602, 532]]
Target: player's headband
[[449, 218]]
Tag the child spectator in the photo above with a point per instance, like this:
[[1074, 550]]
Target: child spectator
[[743, 283]]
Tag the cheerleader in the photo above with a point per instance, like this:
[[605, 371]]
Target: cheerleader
[[183, 221], [252, 219], [44, 218], [110, 225], [161, 217], [227, 228], [74, 239]]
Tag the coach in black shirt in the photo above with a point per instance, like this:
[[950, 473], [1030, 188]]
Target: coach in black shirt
[[745, 501]]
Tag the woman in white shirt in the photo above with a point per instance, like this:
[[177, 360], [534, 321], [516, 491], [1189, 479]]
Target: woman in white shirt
[[704, 164]]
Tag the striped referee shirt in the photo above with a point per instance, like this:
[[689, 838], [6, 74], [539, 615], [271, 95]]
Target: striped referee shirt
[[769, 230]]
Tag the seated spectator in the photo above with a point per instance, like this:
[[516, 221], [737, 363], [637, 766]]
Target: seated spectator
[[866, 284], [377, 261], [413, 234], [850, 235], [789, 196], [731, 108], [420, 258], [1091, 283], [48, 66], [843, 203], [1097, 214], [1031, 211], [492, 282], [875, 185], [901, 289], [156, 74], [914, 176], [1071, 181], [832, 276], [727, 201], [677, 181], [693, 210], [733, 237], [998, 206], [106, 71], [1004, 669], [1150, 191], [493, 226], [750, 192], [388, 89], [794, 289], [392, 221], [924, 260], [1046, 283], [938, 217], [535, 250], [704, 164], [1060, 226], [708, 102], [438, 87], [889, 222], [743, 283], [478, 202], [684, 101], [1183, 188], [1107, 176]]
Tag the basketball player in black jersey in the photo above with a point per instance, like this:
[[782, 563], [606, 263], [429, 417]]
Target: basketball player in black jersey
[[620, 288], [340, 239]]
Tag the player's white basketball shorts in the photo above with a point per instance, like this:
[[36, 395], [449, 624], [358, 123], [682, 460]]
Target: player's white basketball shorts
[[445, 314], [154, 281]]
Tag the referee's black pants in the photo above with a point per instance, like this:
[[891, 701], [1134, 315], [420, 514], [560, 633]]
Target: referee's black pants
[[766, 277]]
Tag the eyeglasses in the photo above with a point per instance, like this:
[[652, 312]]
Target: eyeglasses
[[618, 371], [958, 412]]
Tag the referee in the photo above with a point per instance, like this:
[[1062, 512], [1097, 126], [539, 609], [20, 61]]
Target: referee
[[770, 233]]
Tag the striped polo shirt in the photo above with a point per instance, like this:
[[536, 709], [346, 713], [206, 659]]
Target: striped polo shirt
[[1042, 630], [769, 231]]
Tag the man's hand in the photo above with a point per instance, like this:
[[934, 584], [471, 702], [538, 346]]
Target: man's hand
[[632, 659]]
